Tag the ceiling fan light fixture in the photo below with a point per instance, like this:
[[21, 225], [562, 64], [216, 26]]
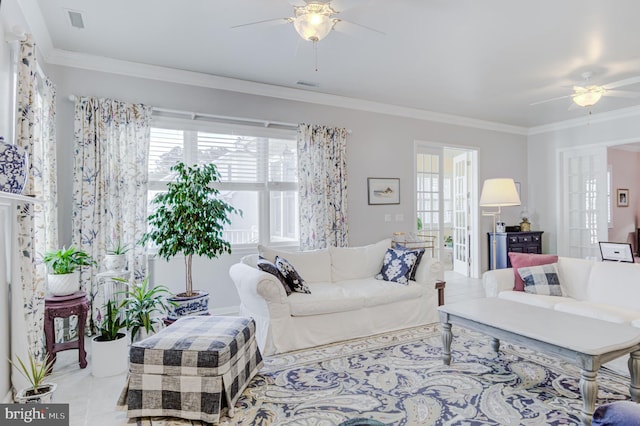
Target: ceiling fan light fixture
[[313, 22], [587, 96]]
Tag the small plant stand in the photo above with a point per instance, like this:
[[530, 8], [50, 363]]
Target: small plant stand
[[63, 307]]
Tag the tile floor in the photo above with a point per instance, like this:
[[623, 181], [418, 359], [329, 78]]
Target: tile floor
[[92, 400]]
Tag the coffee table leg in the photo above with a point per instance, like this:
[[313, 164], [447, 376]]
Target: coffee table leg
[[589, 392], [447, 336], [495, 344], [634, 372]]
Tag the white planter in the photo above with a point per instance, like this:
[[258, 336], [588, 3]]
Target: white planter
[[26, 396], [109, 358], [197, 304], [115, 262], [63, 284]]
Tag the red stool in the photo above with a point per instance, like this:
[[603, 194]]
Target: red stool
[[63, 307]]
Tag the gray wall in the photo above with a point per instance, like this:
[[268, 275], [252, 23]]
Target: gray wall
[[379, 146]]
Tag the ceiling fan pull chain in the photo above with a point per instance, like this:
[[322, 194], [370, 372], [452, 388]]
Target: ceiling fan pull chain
[[315, 51]]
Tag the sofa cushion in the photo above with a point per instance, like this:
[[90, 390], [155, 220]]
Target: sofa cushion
[[615, 283], [350, 263], [378, 292], [325, 298], [291, 277], [541, 279], [574, 276], [600, 311], [519, 260], [397, 266], [313, 265], [268, 267], [532, 299]]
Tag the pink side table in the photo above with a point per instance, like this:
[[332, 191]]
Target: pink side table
[[63, 307]]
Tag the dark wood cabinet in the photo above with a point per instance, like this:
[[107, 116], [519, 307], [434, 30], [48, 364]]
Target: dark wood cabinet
[[519, 242]]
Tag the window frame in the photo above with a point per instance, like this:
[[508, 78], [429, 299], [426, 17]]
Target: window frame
[[263, 189]]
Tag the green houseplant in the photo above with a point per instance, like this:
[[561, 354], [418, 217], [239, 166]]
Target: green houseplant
[[189, 220], [109, 347], [63, 267], [116, 259], [35, 372], [143, 306]]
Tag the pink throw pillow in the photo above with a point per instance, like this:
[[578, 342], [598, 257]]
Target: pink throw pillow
[[521, 260]]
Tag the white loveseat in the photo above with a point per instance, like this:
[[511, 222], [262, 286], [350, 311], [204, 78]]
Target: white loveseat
[[608, 291], [346, 301]]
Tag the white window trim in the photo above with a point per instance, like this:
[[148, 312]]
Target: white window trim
[[230, 128]]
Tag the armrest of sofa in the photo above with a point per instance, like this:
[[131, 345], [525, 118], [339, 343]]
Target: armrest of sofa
[[496, 281], [260, 292]]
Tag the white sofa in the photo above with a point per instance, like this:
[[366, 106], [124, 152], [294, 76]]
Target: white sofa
[[346, 301], [608, 291]]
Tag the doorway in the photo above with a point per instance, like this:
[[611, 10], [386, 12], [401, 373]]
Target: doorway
[[446, 204]]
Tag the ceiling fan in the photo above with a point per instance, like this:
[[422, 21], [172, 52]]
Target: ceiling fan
[[588, 94], [313, 20]]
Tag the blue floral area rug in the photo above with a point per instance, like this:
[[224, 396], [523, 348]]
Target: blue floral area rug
[[399, 379]]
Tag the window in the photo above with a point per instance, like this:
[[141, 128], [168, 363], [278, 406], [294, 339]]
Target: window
[[258, 173]]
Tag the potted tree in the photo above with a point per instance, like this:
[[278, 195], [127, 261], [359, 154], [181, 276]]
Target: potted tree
[[116, 259], [109, 347], [63, 268], [35, 373], [143, 307], [189, 219]]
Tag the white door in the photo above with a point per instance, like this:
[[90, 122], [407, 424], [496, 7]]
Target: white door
[[428, 194], [461, 164], [583, 202]]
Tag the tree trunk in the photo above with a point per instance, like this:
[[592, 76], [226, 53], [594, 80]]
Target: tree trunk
[[189, 283]]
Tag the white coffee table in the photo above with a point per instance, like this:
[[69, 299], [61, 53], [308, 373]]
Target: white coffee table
[[586, 342]]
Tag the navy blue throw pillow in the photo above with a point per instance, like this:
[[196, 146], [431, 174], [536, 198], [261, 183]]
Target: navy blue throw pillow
[[291, 276], [266, 266], [397, 265]]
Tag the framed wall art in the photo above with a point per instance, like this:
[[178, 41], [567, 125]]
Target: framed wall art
[[383, 190], [622, 196]]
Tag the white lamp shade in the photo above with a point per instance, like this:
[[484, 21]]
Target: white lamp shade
[[499, 193]]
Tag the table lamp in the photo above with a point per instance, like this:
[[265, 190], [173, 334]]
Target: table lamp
[[498, 193]]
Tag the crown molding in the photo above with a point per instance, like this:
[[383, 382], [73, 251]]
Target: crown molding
[[601, 117], [154, 72]]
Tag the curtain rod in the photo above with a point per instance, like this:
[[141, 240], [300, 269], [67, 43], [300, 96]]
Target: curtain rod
[[224, 118]]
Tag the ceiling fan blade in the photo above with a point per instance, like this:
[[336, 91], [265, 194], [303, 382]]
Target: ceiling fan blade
[[550, 100], [265, 23], [622, 93], [348, 27], [620, 83]]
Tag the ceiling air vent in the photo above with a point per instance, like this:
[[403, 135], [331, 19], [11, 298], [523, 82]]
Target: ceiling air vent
[[76, 19], [306, 83]]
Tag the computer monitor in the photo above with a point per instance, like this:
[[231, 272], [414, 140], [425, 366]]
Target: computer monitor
[[616, 252]]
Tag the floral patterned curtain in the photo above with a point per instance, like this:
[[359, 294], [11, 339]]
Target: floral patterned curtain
[[110, 184], [37, 222], [322, 176]]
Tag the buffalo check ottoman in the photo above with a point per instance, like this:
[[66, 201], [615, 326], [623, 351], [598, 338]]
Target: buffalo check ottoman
[[192, 369]]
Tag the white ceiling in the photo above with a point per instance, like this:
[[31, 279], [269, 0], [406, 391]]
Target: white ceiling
[[486, 60]]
